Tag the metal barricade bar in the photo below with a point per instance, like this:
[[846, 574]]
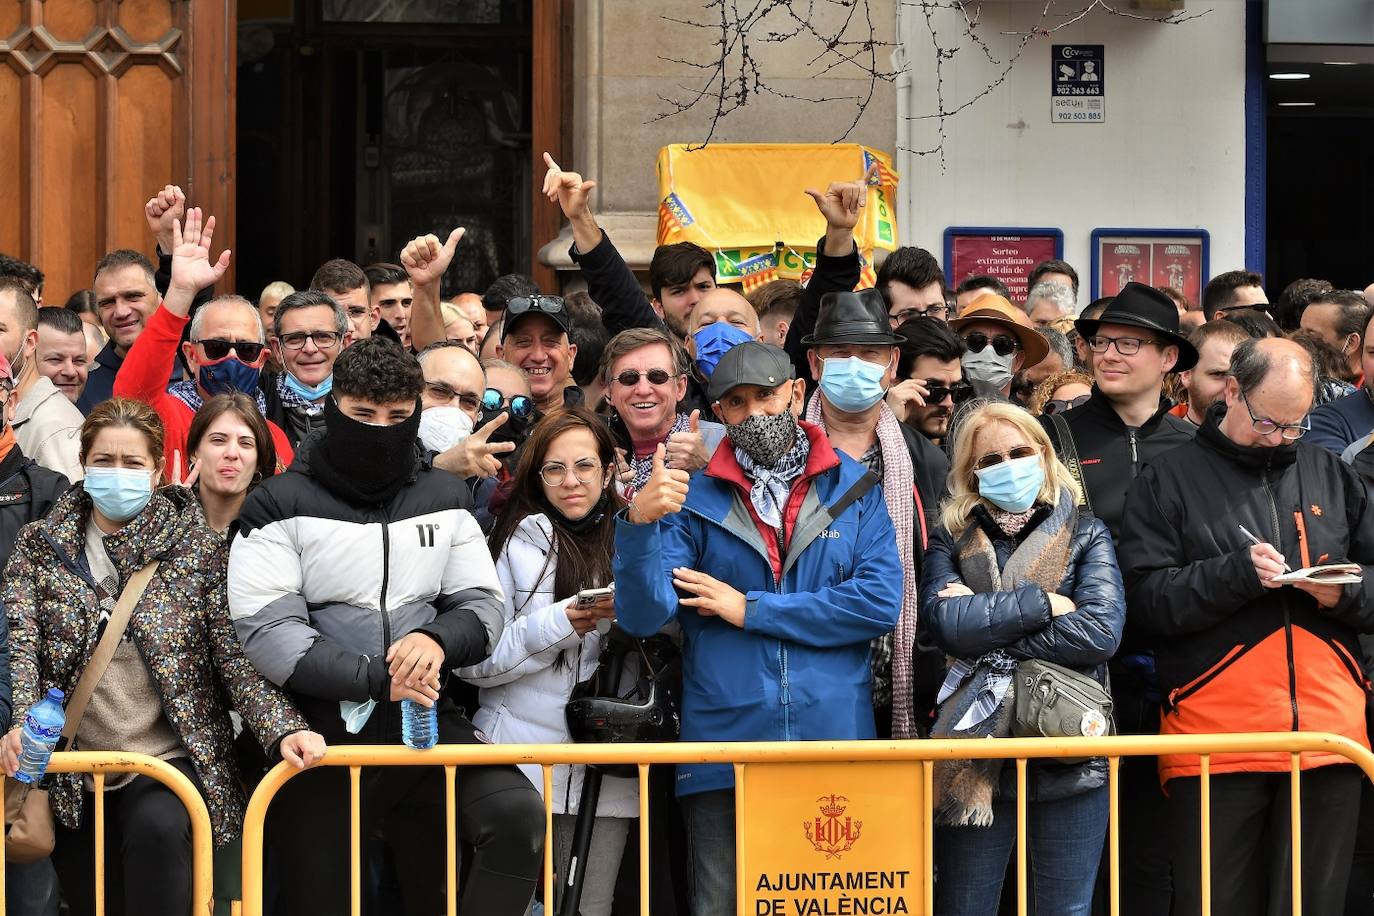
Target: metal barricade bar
[[740, 755], [101, 763]]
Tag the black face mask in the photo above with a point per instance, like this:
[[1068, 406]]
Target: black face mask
[[585, 523], [516, 429], [362, 463]]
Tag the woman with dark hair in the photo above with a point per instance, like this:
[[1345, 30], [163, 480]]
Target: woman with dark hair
[[554, 539], [166, 690], [231, 451]]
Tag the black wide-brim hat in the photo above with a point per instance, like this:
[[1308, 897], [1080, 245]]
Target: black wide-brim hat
[[1141, 306], [852, 318]]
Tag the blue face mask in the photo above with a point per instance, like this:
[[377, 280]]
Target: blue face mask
[[1012, 485], [306, 391], [228, 375], [851, 384], [713, 341], [119, 493]]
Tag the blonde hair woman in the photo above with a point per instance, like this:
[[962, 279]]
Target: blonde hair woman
[[1015, 571]]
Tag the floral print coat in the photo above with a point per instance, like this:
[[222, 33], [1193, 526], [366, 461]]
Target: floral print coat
[[180, 626]]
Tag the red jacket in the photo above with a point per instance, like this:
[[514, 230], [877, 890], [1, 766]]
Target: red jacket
[[143, 377]]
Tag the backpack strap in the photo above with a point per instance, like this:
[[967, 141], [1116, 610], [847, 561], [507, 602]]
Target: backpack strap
[[1068, 453], [855, 493]]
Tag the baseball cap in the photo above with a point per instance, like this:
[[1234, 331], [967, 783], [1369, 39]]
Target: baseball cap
[[750, 363], [517, 307]]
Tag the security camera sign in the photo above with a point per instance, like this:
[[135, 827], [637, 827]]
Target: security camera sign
[[1078, 89]]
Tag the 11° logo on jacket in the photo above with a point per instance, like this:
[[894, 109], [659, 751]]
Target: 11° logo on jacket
[[856, 847]]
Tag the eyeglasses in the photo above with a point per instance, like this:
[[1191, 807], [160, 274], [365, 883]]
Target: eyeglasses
[[520, 406], [584, 471], [247, 350], [549, 305], [935, 311], [1002, 344], [630, 377], [995, 458], [1126, 346], [443, 392], [1059, 405], [1265, 426], [324, 340], [937, 391]]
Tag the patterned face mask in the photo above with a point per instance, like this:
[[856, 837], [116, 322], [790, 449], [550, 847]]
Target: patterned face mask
[[764, 439]]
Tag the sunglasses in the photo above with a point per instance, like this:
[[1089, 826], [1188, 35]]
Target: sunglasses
[[1059, 405], [996, 458], [247, 350], [936, 392], [630, 377], [443, 392], [520, 406], [549, 305], [1002, 344]]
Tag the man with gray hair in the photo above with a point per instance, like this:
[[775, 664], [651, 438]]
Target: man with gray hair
[[1209, 532], [226, 351], [1048, 300], [46, 424], [310, 330]]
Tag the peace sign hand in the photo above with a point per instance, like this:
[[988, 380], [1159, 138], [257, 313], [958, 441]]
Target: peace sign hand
[[425, 258], [476, 456], [188, 480]]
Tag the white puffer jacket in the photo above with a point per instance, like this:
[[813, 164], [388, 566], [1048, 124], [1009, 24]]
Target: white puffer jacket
[[523, 691]]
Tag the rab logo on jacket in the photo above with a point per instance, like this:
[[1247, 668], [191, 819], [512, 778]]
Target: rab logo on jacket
[[832, 833]]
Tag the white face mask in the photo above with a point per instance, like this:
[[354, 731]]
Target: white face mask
[[987, 367], [441, 428]]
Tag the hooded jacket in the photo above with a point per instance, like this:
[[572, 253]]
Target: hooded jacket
[[179, 626], [524, 685], [320, 588], [1232, 655], [1020, 622], [815, 595]]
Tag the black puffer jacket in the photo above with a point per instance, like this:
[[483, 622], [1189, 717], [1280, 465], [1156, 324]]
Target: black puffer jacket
[[1020, 622]]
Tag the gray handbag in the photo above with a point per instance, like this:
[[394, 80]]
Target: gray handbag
[[1057, 702]]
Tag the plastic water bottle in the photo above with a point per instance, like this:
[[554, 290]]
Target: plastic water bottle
[[419, 725], [42, 727]]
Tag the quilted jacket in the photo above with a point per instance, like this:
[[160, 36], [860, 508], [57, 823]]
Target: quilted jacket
[[180, 626]]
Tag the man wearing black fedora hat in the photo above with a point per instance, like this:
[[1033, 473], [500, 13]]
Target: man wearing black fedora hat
[[852, 352], [1124, 425]]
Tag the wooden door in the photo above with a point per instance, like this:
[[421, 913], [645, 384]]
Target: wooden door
[[102, 102]]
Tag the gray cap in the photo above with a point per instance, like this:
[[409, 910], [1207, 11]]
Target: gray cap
[[750, 363]]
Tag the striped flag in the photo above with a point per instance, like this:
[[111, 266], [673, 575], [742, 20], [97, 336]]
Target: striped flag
[[758, 270], [867, 278]]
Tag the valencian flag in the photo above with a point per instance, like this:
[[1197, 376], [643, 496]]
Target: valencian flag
[[745, 203]]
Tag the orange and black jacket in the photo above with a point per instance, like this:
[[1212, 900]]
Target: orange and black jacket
[[1232, 655]]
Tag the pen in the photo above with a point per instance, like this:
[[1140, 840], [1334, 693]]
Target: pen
[[1255, 540]]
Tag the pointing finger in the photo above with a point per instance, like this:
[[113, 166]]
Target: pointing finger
[[548, 160]]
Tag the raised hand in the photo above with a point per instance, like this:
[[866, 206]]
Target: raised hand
[[664, 493], [569, 189], [842, 200], [687, 449], [905, 395], [476, 455], [192, 269], [162, 209], [178, 478], [425, 258]]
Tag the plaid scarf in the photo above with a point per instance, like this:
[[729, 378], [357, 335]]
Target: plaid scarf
[[643, 467], [292, 401], [899, 487], [771, 486], [187, 393]]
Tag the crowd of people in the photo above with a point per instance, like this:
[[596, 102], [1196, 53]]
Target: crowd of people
[[812, 512]]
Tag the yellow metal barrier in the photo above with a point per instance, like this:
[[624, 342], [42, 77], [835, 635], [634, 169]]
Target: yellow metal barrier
[[742, 755], [100, 763]]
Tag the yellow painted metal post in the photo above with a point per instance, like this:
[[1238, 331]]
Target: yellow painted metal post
[[739, 832], [1021, 836], [99, 844], [1295, 810], [1205, 787], [451, 835], [928, 825], [1114, 832], [355, 846], [550, 901], [643, 839]]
